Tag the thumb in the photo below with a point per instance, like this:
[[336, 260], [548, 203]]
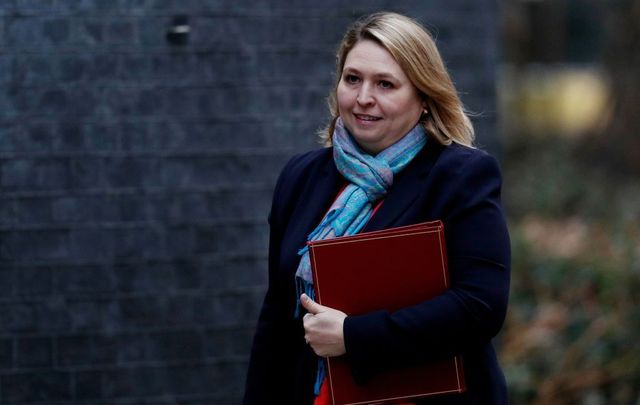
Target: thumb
[[310, 305]]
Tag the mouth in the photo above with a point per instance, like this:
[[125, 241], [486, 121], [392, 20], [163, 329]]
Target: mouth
[[366, 117]]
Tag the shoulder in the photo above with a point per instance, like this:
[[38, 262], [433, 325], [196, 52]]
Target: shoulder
[[460, 155], [462, 161], [297, 172], [303, 166], [308, 161]]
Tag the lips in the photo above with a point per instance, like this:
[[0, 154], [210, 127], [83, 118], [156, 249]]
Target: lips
[[366, 117]]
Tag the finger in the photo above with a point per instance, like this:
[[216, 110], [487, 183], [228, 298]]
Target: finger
[[310, 305], [306, 319]]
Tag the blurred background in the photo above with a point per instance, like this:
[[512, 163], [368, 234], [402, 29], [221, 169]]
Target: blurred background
[[569, 89], [139, 145]]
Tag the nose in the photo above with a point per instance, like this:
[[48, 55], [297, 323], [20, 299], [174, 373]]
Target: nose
[[365, 97]]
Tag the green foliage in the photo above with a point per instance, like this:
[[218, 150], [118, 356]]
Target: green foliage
[[574, 318]]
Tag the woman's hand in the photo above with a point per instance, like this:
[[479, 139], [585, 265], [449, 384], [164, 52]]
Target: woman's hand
[[323, 328]]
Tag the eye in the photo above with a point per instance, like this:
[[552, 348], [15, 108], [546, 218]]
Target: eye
[[386, 84], [351, 79]]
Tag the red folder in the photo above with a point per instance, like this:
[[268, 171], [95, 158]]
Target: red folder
[[389, 270]]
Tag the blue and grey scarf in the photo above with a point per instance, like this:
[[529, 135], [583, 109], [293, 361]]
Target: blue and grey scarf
[[369, 179]]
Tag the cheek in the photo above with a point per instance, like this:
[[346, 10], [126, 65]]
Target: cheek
[[343, 97], [408, 108]]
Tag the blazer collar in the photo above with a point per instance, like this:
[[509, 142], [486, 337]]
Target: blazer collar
[[317, 197], [407, 186]]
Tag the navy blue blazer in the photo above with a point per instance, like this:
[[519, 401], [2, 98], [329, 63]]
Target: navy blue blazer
[[458, 185]]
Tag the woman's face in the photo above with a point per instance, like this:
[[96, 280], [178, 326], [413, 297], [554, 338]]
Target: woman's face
[[376, 100]]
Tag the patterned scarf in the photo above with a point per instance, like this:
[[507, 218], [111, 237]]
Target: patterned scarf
[[369, 179]]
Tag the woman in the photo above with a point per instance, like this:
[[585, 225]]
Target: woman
[[399, 152]]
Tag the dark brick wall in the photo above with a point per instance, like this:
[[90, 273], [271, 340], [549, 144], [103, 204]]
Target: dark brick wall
[[136, 177]]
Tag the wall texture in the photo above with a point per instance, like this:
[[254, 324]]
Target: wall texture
[[136, 176]]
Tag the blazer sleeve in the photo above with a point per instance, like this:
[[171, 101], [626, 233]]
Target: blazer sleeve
[[472, 311], [270, 343]]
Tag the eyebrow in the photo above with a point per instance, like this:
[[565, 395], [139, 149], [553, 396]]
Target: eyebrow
[[381, 75]]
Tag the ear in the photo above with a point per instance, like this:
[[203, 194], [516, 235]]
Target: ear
[[425, 105]]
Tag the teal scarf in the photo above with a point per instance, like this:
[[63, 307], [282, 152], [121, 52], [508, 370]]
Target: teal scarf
[[369, 179]]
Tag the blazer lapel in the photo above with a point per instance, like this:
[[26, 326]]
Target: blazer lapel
[[316, 199], [407, 186]]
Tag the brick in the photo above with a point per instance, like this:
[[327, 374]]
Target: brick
[[226, 66], [182, 242], [14, 102], [25, 245], [87, 315], [52, 174], [17, 317], [216, 343], [221, 343], [56, 30], [135, 382], [124, 207], [149, 103], [87, 350], [132, 172], [7, 279], [53, 315], [53, 102], [22, 31], [33, 211], [90, 32], [6, 354], [33, 5], [138, 348], [88, 385], [224, 239], [135, 67], [101, 136], [135, 136], [176, 66], [234, 273], [167, 346], [74, 208], [187, 274], [5, 65], [30, 281], [241, 340], [142, 312], [72, 68], [120, 31], [9, 135], [182, 102], [17, 173], [151, 31], [102, 67], [7, 211], [233, 309], [82, 103], [3, 10], [85, 172], [138, 243], [181, 310], [69, 136], [46, 386], [71, 280], [150, 278], [34, 352]]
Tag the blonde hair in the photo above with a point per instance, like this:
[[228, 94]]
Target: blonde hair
[[415, 51]]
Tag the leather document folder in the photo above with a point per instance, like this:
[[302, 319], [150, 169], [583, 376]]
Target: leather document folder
[[385, 270]]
